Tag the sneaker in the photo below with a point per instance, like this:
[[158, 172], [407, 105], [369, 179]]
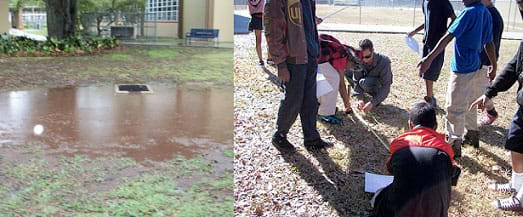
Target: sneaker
[[431, 101], [330, 119], [261, 63], [506, 188], [508, 204], [317, 144], [486, 120], [472, 138], [270, 62], [282, 144], [456, 147]]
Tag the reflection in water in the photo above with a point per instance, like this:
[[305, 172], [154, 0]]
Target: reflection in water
[[98, 122]]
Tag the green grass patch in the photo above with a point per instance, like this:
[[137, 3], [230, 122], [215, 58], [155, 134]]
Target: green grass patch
[[199, 202], [40, 188], [228, 153], [163, 53], [224, 183], [130, 64], [185, 167], [119, 57], [148, 195]]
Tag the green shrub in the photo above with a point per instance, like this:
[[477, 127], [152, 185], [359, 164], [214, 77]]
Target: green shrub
[[16, 46]]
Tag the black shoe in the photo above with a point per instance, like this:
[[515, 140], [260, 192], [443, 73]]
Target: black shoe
[[456, 147], [282, 144], [472, 138], [431, 101], [317, 144]]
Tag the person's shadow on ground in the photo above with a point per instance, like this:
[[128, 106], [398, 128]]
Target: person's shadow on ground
[[343, 188]]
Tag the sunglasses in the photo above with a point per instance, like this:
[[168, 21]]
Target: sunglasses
[[370, 55]]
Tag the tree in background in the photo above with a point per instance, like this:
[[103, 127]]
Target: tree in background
[[62, 15], [109, 11], [61, 18]]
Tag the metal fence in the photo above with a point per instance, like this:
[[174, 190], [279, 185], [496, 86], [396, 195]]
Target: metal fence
[[398, 12]]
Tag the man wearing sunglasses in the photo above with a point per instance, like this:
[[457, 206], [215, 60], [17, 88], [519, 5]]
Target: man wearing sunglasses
[[372, 77]]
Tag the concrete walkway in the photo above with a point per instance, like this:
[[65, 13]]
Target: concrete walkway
[[336, 27]]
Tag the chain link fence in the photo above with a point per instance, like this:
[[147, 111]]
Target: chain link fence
[[396, 12], [122, 25]]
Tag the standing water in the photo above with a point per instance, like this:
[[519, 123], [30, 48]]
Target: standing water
[[98, 122]]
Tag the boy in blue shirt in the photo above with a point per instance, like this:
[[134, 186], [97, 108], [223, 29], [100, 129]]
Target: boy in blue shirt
[[473, 32]]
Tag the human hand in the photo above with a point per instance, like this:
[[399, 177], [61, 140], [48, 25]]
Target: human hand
[[411, 34], [361, 104], [368, 107], [284, 75], [424, 65], [318, 20], [480, 103]]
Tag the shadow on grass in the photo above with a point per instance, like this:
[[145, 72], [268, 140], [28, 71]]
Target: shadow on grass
[[474, 167], [335, 186], [343, 188], [493, 135], [392, 116], [499, 161]]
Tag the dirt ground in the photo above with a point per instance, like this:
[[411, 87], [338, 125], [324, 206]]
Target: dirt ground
[[330, 182]]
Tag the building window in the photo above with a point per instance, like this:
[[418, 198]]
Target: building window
[[162, 10]]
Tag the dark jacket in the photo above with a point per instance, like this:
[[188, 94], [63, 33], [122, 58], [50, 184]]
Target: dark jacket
[[284, 31], [381, 70], [497, 31], [510, 74]]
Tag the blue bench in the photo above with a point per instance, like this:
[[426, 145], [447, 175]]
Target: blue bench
[[202, 34]]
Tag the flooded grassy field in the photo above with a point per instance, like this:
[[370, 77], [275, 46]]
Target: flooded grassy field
[[72, 146]]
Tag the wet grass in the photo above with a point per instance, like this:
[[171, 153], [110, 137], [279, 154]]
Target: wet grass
[[43, 186], [130, 64], [162, 53], [228, 153]]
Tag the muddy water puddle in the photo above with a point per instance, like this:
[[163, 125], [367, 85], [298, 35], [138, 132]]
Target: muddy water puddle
[[96, 121]]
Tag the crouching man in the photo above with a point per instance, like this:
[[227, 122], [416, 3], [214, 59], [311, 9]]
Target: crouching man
[[373, 77], [423, 168]]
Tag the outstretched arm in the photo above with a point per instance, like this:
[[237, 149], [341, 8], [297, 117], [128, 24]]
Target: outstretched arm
[[424, 64]]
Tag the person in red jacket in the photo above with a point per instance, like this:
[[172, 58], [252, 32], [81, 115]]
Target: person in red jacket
[[423, 168]]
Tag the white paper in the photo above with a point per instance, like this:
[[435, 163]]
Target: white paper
[[412, 44], [373, 182], [322, 85]]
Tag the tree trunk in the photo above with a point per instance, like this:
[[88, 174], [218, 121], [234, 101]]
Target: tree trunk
[[61, 18], [19, 15]]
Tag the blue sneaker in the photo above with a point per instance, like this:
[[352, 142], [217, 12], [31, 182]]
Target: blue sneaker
[[330, 119]]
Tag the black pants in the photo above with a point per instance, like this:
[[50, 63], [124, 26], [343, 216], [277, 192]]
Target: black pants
[[300, 98], [421, 186], [515, 133]]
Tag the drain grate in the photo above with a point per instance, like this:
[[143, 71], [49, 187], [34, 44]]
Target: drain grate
[[132, 88]]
